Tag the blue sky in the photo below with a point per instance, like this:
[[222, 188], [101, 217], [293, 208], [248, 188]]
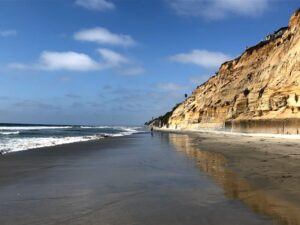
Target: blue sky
[[119, 61]]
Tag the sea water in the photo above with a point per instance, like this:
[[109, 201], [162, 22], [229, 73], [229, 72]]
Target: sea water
[[18, 137]]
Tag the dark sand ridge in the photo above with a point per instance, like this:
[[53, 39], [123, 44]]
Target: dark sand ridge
[[263, 194], [135, 180]]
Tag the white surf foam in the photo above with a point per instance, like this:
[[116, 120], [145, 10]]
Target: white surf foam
[[32, 127], [125, 131], [19, 144], [9, 132], [95, 127]]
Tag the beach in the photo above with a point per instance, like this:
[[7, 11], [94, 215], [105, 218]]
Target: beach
[[261, 171], [164, 178]]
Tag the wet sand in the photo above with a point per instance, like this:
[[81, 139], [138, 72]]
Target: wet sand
[[140, 179], [272, 164], [268, 183]]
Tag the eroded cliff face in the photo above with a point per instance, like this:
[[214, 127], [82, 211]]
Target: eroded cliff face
[[258, 91]]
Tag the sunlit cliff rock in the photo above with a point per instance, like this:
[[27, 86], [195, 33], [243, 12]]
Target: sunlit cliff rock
[[257, 92]]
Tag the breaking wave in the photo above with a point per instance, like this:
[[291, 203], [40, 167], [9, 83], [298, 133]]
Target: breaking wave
[[19, 138]]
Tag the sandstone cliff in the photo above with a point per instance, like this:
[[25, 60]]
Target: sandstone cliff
[[256, 92]]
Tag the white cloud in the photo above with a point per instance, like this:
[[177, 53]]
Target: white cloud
[[218, 9], [98, 5], [74, 61], [202, 58], [112, 58], [101, 35], [53, 61], [67, 61], [7, 33], [123, 65]]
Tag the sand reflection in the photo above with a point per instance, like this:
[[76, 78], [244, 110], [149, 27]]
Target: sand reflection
[[214, 164]]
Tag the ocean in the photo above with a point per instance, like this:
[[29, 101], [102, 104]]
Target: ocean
[[19, 137]]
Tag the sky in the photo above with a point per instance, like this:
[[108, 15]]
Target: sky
[[119, 62]]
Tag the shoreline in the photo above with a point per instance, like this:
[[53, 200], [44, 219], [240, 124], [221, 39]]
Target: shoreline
[[149, 169], [53, 141], [2, 153], [137, 179], [16, 137]]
